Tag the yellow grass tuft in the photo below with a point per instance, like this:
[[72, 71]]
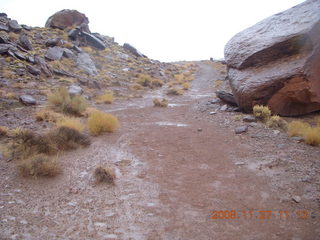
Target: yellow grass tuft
[[297, 128], [312, 136], [105, 98], [65, 103], [277, 122], [103, 174], [261, 112], [175, 91], [185, 86], [99, 122], [70, 122], [48, 115], [160, 103], [39, 166]]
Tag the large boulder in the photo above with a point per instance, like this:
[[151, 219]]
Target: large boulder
[[277, 62], [68, 18]]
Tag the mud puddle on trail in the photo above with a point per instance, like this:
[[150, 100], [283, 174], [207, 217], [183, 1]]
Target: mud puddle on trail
[[169, 179]]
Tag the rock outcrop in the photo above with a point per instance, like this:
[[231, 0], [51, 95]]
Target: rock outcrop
[[277, 62], [68, 18]]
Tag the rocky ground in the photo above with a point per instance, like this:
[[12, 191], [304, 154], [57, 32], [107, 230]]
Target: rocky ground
[[177, 168]]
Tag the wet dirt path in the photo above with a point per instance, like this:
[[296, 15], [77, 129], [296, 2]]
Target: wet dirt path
[[175, 171]]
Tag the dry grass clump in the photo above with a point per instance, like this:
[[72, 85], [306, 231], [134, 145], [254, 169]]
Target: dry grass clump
[[71, 122], [28, 143], [146, 80], [65, 103], [105, 98], [175, 91], [4, 131], [277, 122], [39, 166], [317, 119], [160, 103], [66, 138], [99, 122], [297, 128], [312, 136], [261, 112], [136, 86], [103, 174], [185, 86], [48, 116]]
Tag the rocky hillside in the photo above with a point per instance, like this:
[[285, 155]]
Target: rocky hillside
[[35, 60]]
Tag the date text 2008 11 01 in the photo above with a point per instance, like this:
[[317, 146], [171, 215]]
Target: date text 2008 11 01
[[258, 214]]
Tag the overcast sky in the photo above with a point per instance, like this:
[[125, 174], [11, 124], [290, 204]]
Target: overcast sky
[[166, 30]]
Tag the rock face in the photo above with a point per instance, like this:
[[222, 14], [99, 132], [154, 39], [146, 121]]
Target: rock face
[[133, 50], [277, 62], [85, 63], [68, 18]]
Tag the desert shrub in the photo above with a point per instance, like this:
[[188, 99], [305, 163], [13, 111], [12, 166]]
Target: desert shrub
[[99, 122], [105, 98], [237, 117], [156, 83], [146, 80], [261, 112], [175, 91], [102, 174], [160, 103], [65, 103], [136, 86], [179, 77], [312, 136], [29, 143], [66, 138], [277, 122], [71, 123], [185, 86], [4, 131], [48, 116], [297, 128], [317, 119], [38, 166]]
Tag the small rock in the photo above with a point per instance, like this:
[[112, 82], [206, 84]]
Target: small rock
[[53, 42], [297, 138], [296, 199], [224, 107], [33, 70], [199, 129], [68, 53], [54, 53], [253, 124], [14, 26], [85, 63], [75, 90], [4, 28], [25, 42], [212, 113], [214, 101], [241, 129], [276, 132], [94, 41], [249, 118], [240, 163], [27, 100]]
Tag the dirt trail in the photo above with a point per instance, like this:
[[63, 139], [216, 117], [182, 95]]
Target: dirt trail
[[174, 166]]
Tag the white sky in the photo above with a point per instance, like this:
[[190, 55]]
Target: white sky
[[166, 30]]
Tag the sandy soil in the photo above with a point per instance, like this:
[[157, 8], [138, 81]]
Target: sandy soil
[[176, 168]]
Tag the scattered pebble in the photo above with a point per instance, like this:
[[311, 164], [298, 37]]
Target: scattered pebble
[[296, 199], [249, 118], [199, 129], [240, 163], [224, 107], [241, 129], [212, 113]]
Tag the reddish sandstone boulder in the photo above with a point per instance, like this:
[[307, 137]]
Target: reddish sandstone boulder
[[68, 18], [277, 62]]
